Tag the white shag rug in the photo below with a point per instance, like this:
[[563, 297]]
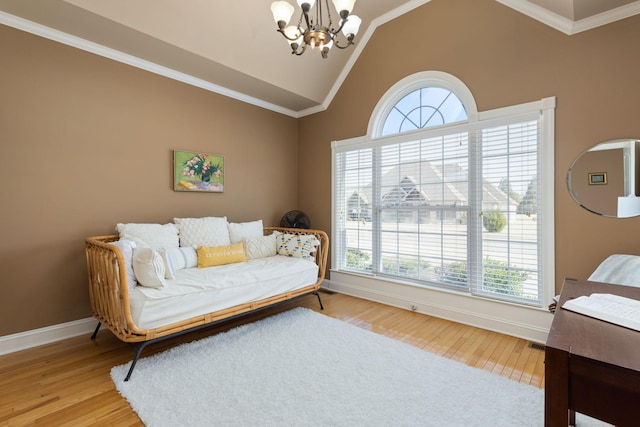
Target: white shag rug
[[302, 368]]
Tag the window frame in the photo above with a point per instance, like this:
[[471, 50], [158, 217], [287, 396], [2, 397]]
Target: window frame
[[544, 108], [418, 81]]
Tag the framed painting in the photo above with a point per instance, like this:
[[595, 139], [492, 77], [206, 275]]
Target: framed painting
[[193, 171], [598, 178]]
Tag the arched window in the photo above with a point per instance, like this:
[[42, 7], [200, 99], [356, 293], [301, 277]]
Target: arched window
[[424, 107], [440, 195]]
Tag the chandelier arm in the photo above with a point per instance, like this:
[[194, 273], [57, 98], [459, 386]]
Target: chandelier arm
[[305, 14], [345, 17], [281, 31], [330, 23], [336, 43], [318, 21], [295, 51]]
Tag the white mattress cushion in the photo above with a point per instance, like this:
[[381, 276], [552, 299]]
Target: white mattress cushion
[[197, 291]]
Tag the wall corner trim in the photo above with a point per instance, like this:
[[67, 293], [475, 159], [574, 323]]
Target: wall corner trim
[[106, 52], [37, 337]]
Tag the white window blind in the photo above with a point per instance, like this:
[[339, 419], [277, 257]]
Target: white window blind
[[455, 206], [510, 218], [353, 181]]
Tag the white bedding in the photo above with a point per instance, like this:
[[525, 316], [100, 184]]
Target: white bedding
[[197, 291]]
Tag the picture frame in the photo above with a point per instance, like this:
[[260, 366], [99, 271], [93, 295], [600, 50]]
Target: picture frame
[[195, 171], [597, 178]]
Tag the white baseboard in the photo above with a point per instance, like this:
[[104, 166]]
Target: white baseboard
[[522, 322], [49, 334]]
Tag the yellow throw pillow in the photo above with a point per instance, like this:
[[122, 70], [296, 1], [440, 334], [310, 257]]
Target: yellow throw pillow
[[209, 256]]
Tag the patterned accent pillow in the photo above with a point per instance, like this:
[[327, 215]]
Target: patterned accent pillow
[[261, 247], [209, 256], [176, 259], [208, 231], [297, 245]]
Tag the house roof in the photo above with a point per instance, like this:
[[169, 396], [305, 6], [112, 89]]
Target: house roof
[[428, 184]]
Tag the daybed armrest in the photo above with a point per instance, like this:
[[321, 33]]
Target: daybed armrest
[[321, 253], [108, 288]]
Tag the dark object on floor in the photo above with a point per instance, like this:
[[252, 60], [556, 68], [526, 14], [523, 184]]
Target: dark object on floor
[[295, 219]]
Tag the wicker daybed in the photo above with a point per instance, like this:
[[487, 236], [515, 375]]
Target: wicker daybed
[[111, 303]]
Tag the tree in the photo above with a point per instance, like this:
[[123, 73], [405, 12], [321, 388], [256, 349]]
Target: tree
[[505, 187], [497, 276], [529, 203], [494, 222]]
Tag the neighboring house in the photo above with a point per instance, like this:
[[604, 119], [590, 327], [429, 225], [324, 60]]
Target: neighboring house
[[439, 191]]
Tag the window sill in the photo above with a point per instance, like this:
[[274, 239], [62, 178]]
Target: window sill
[[527, 322]]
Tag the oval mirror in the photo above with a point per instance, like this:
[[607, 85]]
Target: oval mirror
[[604, 179]]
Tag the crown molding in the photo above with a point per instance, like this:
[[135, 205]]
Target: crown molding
[[569, 26], [98, 49], [525, 7], [359, 47], [95, 48], [608, 17]]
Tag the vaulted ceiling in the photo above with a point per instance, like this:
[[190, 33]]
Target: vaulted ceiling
[[234, 49]]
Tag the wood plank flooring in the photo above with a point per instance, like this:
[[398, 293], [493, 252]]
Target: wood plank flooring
[[68, 382]]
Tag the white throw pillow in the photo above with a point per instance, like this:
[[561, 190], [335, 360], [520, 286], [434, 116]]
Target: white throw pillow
[[239, 231], [261, 247], [176, 259], [148, 267], [297, 245], [208, 231], [150, 235], [126, 248]]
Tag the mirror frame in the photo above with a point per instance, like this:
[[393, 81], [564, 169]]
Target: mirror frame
[[628, 201]]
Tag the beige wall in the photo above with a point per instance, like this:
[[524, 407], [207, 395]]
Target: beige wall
[[505, 58], [87, 142]]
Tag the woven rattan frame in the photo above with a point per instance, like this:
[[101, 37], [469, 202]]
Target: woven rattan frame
[[109, 294]]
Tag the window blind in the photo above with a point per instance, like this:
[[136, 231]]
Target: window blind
[[507, 262], [457, 206], [457, 210]]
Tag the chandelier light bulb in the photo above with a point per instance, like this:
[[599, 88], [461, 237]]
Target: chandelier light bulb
[[311, 3], [341, 5], [351, 26], [282, 11]]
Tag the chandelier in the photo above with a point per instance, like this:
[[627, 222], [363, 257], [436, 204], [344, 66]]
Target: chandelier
[[312, 32]]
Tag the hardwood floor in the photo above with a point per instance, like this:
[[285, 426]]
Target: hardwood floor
[[68, 382]]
